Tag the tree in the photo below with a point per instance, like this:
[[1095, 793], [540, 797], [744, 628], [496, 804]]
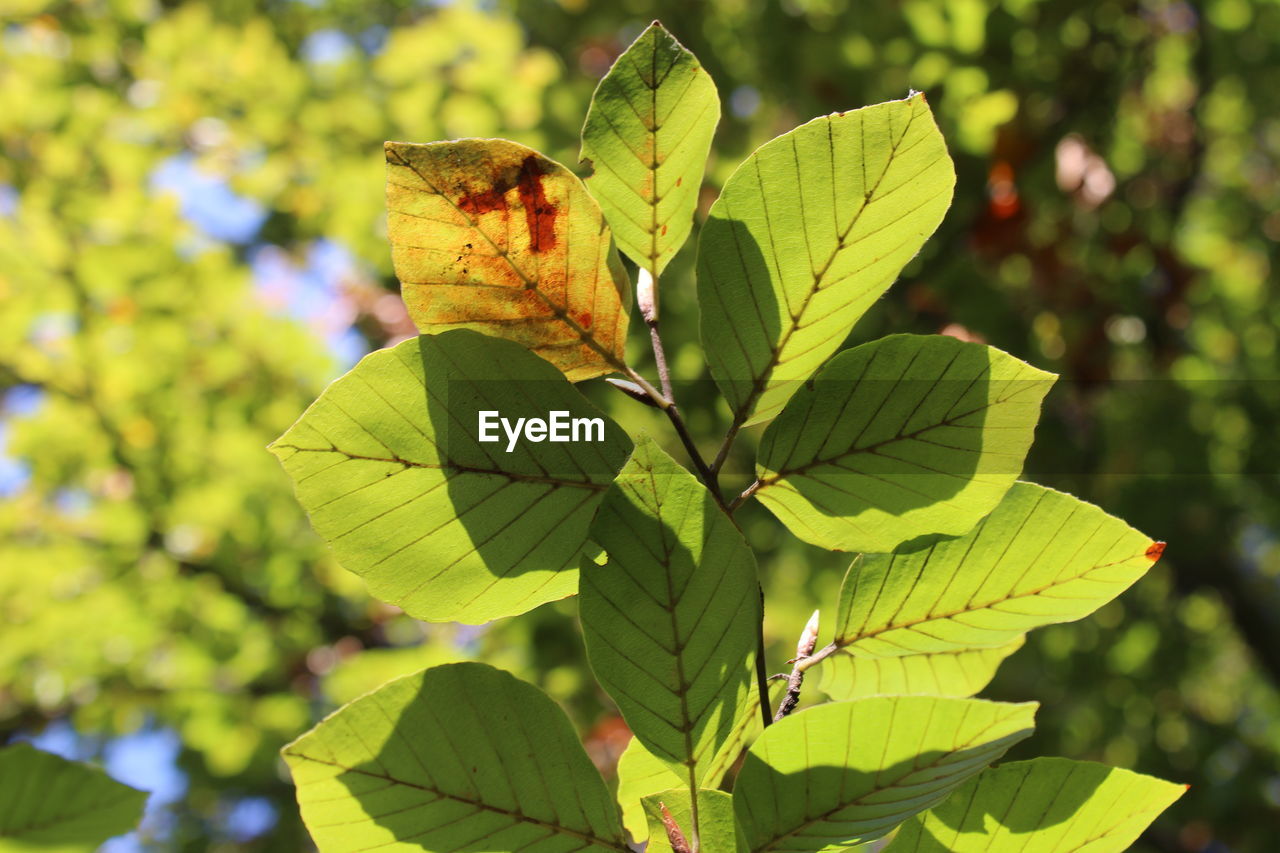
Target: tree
[[906, 449]]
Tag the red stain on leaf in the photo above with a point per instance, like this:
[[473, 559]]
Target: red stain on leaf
[[491, 199], [664, 230], [1154, 552], [584, 319], [539, 212]]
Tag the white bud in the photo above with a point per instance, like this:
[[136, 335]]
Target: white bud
[[647, 296], [808, 637]]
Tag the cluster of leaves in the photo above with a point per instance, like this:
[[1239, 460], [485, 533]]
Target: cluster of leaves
[[906, 450]]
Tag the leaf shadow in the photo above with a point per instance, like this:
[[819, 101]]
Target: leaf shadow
[[888, 796], [524, 512], [965, 812], [704, 608]]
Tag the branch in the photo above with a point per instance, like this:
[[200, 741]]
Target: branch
[[746, 494], [804, 651]]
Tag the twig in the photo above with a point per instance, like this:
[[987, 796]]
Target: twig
[[804, 653], [725, 446], [746, 494], [647, 296]]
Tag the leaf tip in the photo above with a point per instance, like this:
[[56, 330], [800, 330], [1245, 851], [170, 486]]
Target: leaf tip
[[1155, 551]]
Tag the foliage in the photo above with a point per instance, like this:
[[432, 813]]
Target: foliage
[[1113, 221], [900, 445], [60, 806]]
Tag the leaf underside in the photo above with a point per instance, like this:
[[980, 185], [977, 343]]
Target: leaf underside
[[647, 136], [489, 235], [1041, 557], [907, 436], [961, 672], [48, 803], [1049, 804], [387, 465], [670, 618], [716, 830], [845, 773], [641, 774], [810, 230], [462, 757]]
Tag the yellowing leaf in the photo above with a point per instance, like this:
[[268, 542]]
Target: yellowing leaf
[[490, 235]]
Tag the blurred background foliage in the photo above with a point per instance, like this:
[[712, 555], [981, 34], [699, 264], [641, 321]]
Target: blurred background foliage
[[192, 244]]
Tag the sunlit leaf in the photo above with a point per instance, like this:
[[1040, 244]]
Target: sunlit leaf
[[907, 436], [641, 774], [647, 136], [1044, 804], [1041, 557], [388, 465], [670, 619], [462, 757], [716, 827], [53, 805], [848, 772], [807, 234], [961, 672], [490, 235]]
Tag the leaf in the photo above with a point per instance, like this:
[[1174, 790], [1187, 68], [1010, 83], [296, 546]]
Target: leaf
[[490, 235], [388, 465], [641, 774], [848, 772], [1041, 557], [1045, 804], [810, 230], [50, 804], [961, 672], [717, 831], [907, 436], [461, 757], [647, 137], [670, 619]]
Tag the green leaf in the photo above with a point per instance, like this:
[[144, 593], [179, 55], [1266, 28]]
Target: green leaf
[[57, 806], [1041, 557], [1045, 804], [462, 757], [388, 465], [670, 619], [848, 772], [960, 672], [647, 136], [907, 436], [641, 774], [717, 832], [490, 235], [810, 230]]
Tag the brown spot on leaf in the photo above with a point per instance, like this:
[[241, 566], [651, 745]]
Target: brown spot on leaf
[[539, 212], [664, 230], [584, 319], [679, 181], [1154, 552]]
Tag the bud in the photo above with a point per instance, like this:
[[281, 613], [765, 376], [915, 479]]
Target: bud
[[808, 637], [647, 296]]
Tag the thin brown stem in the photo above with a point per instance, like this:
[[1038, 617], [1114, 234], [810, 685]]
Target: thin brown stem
[[725, 446]]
